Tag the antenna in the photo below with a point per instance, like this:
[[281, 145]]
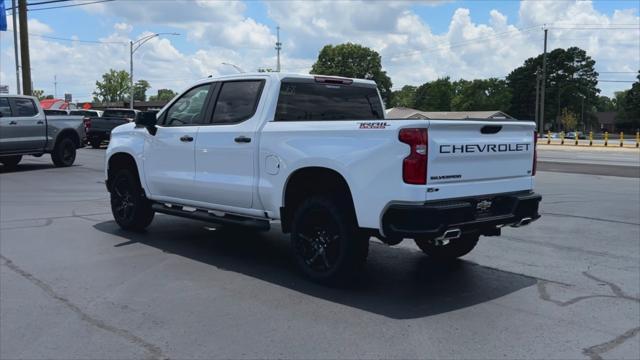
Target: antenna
[[278, 48]]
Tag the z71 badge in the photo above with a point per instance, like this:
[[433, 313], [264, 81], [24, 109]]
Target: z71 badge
[[373, 125]]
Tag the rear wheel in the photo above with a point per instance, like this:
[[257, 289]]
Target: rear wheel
[[452, 250], [129, 206], [95, 143], [10, 162], [64, 153], [325, 241]]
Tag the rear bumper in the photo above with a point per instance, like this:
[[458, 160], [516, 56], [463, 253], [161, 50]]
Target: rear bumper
[[483, 214]]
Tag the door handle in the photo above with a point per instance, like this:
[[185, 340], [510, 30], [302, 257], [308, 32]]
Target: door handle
[[40, 122], [186, 138], [242, 139], [13, 122]]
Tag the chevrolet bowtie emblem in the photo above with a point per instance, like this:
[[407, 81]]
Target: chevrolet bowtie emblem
[[483, 205]]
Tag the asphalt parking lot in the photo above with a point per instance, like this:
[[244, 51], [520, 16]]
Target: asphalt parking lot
[[74, 286]]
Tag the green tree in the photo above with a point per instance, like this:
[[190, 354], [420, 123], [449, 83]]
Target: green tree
[[356, 61], [481, 94], [113, 87], [435, 95], [405, 97], [628, 117], [38, 94], [140, 90], [163, 95], [571, 77], [604, 103], [568, 120], [48, 97]]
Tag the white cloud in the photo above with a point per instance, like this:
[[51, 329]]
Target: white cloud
[[220, 31], [124, 27]]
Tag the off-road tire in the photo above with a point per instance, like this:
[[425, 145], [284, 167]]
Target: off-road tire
[[130, 208], [453, 250], [10, 162], [64, 153], [331, 224]]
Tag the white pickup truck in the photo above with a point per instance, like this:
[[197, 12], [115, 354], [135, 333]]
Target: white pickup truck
[[316, 154]]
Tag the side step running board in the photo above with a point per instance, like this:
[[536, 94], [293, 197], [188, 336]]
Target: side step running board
[[204, 215]]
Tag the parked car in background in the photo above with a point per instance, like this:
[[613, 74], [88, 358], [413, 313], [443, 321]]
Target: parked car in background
[[25, 129], [86, 112], [574, 134], [55, 112], [99, 127]]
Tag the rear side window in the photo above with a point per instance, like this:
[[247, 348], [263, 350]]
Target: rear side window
[[311, 101], [24, 107], [120, 113], [237, 101], [5, 108], [55, 112]]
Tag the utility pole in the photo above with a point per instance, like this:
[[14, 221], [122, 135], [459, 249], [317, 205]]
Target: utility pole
[[131, 74], [544, 80], [278, 48], [15, 45], [55, 86], [24, 47], [538, 124]]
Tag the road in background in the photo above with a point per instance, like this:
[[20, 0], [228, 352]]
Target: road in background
[[73, 285]]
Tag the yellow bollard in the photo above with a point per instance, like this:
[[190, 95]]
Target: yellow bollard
[[606, 138], [637, 138], [590, 138], [548, 137], [562, 138], [621, 139]]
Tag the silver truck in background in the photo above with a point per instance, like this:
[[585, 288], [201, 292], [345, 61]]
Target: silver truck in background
[[26, 130]]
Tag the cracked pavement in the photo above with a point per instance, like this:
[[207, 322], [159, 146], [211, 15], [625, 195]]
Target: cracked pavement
[[74, 286]]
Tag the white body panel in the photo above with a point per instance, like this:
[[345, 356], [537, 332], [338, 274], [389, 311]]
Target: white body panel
[[250, 178]]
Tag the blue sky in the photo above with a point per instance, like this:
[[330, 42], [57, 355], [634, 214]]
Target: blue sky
[[406, 34]]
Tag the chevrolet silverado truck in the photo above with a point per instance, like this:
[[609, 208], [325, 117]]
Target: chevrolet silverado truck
[[99, 127], [316, 155], [25, 129]]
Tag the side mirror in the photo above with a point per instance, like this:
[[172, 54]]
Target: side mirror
[[148, 120]]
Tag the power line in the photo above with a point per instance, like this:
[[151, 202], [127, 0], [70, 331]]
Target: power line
[[72, 5], [76, 40], [58, 7], [444, 45], [617, 81]]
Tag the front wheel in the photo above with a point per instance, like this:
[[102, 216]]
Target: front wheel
[[325, 241], [130, 208], [453, 250], [64, 153], [10, 162]]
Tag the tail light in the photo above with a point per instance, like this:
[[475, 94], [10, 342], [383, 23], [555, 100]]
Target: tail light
[[414, 166], [535, 153], [87, 123]]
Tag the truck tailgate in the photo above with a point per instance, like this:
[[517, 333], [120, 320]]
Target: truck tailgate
[[471, 158]]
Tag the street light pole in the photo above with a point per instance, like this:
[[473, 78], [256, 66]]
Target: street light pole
[[238, 68], [133, 47], [131, 75]]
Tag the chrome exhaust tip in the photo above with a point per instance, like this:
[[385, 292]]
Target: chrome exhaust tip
[[523, 222], [447, 236]]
